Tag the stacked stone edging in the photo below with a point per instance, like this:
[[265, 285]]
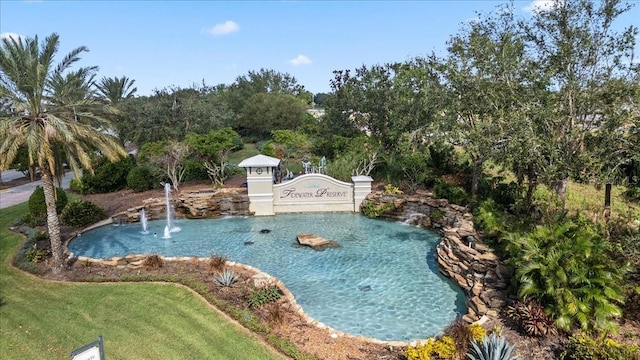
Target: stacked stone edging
[[461, 255]]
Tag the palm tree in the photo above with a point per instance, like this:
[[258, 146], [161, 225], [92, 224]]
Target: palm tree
[[569, 268], [116, 89], [53, 116]]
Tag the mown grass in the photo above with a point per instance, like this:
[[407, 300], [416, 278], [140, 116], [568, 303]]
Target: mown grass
[[249, 150], [583, 198], [588, 200], [45, 319], [586, 197]]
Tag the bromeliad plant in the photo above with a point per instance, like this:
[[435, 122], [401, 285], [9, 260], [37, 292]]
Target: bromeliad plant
[[532, 318], [570, 268]]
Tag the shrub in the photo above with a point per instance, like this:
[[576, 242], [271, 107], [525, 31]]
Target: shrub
[[489, 218], [37, 252], [445, 347], [443, 157], [464, 335], [370, 210], [22, 258], [632, 193], [632, 303], [455, 194], [420, 352], [570, 268], [140, 178], [436, 214], [583, 347], [34, 221], [275, 314], [258, 297], [82, 213], [492, 348], [390, 189], [268, 148], [530, 316], [109, 176], [216, 263], [153, 262], [477, 332], [77, 186], [38, 206], [194, 170]]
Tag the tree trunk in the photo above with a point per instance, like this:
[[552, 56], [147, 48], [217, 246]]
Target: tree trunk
[[477, 170], [53, 223], [560, 187], [531, 188]]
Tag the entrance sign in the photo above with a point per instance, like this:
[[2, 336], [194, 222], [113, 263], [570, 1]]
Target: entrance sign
[[92, 351], [306, 193]]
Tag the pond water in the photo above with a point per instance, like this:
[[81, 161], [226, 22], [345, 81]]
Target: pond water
[[382, 282]]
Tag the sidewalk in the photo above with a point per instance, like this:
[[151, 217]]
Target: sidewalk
[[20, 194]]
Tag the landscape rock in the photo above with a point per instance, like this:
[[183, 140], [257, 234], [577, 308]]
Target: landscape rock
[[461, 255], [316, 242]]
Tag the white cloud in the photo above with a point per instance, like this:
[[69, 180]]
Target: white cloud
[[300, 60], [10, 35], [537, 6], [224, 28]]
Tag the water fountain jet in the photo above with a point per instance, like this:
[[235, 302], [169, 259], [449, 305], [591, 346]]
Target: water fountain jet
[[143, 221], [169, 228]]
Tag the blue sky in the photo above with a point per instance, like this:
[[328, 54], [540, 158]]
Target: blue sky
[[179, 43]]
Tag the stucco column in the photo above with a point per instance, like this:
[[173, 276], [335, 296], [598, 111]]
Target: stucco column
[[361, 188]]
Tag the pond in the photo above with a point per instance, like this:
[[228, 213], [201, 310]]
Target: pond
[[382, 282]]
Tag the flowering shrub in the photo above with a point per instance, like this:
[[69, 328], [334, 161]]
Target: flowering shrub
[[420, 352], [477, 331], [390, 189], [583, 347], [444, 348]]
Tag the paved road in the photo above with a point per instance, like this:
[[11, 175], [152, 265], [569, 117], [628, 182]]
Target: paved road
[[19, 194]]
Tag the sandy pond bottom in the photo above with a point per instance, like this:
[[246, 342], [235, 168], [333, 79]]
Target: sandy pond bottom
[[382, 282]]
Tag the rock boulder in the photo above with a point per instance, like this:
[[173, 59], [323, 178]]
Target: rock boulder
[[316, 242]]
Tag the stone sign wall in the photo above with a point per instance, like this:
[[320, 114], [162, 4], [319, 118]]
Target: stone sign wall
[[313, 192]]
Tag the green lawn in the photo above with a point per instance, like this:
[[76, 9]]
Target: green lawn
[[47, 320], [585, 197], [248, 151]]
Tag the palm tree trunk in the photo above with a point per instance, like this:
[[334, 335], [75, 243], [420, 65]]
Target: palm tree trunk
[[53, 223]]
